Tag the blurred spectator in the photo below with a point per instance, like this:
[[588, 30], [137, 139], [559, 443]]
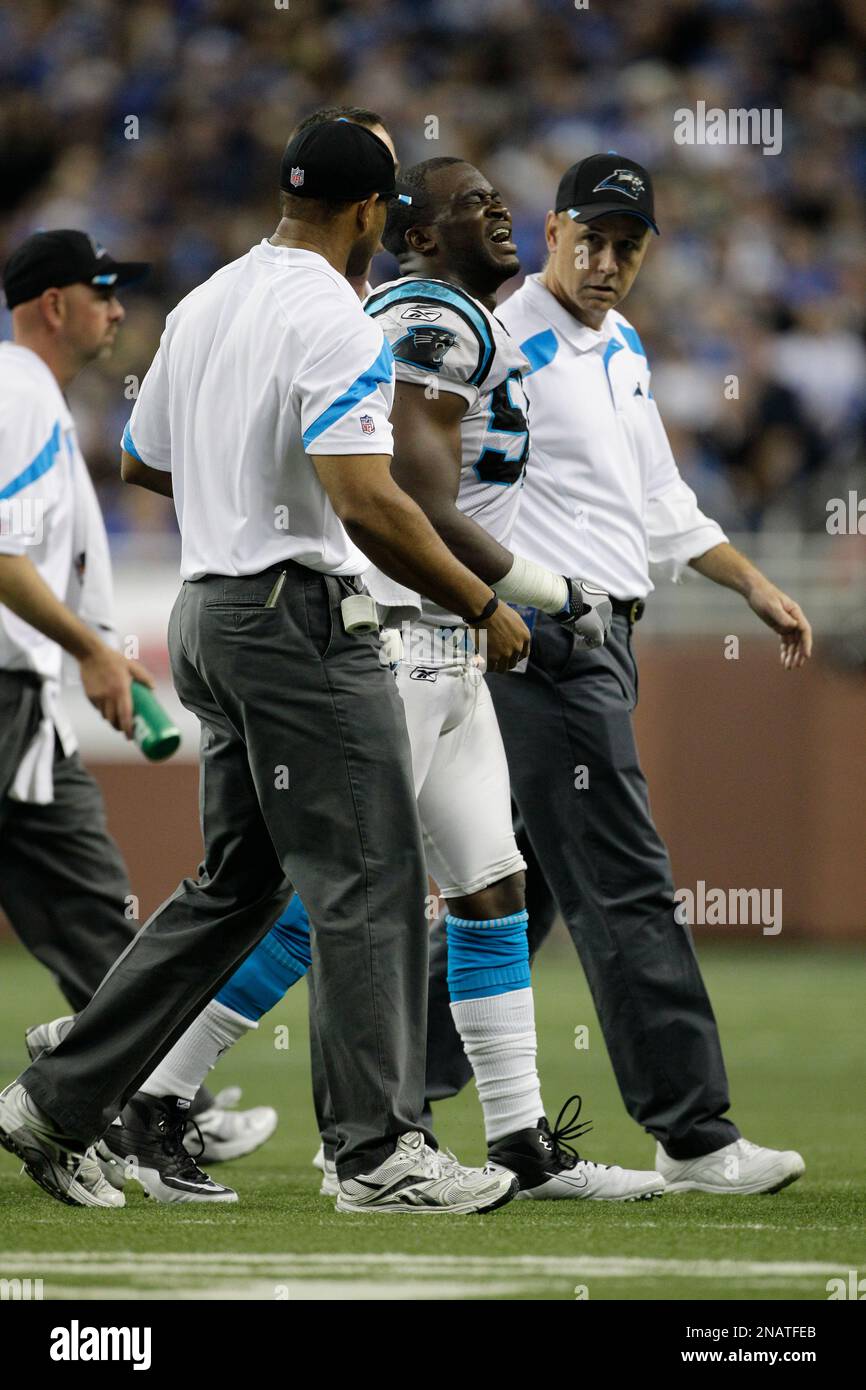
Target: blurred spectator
[[159, 127]]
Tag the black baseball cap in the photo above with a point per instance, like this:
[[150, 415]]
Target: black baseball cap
[[50, 260], [604, 183], [339, 161]]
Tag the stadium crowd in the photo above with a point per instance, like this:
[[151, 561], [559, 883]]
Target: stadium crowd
[[158, 127]]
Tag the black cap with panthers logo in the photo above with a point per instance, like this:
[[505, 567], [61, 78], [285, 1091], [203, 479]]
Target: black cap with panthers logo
[[605, 183]]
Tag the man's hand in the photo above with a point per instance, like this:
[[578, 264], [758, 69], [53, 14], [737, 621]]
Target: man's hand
[[107, 679], [725, 565], [787, 618], [589, 613], [507, 639]]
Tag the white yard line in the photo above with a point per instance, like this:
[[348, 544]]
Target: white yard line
[[291, 1290], [400, 1265], [329, 1276]]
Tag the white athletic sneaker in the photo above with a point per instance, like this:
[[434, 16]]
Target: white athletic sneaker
[[66, 1173], [416, 1178], [43, 1037], [330, 1184], [739, 1169], [549, 1169], [227, 1133]]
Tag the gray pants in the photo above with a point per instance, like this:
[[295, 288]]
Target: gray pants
[[597, 851], [63, 883], [305, 780]]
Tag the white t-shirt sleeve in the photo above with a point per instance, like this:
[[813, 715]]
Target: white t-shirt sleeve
[[438, 335], [345, 388], [147, 436], [31, 442], [677, 529]]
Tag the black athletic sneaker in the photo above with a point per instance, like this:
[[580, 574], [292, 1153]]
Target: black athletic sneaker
[[146, 1145], [549, 1169]]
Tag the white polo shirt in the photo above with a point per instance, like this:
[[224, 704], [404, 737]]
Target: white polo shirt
[[38, 447], [39, 455], [270, 361], [602, 495]]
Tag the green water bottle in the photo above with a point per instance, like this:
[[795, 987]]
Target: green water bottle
[[153, 730]]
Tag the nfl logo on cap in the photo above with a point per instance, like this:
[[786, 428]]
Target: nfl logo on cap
[[296, 178], [367, 424]]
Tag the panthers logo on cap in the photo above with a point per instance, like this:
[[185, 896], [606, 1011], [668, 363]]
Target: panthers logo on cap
[[425, 347], [623, 181], [296, 178]]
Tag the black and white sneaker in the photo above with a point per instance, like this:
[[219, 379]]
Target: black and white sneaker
[[549, 1169], [419, 1179], [145, 1144]]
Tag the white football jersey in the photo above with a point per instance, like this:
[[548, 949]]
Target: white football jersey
[[443, 339]]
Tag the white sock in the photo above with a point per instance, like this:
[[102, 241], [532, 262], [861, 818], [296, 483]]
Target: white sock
[[183, 1069], [498, 1035]]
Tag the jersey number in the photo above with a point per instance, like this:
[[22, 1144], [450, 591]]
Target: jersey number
[[505, 465]]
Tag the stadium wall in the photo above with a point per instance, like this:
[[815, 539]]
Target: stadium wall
[[757, 779]]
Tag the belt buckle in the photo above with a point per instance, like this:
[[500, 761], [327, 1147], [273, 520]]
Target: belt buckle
[[636, 612]]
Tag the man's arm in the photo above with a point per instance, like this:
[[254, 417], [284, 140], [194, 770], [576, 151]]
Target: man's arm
[[725, 565], [427, 463], [105, 674], [678, 534], [394, 533], [132, 470]]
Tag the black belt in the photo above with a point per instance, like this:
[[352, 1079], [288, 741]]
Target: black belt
[[291, 566], [631, 608]]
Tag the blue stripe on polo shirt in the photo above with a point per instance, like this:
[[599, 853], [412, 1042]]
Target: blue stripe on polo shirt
[[631, 338], [378, 372], [612, 348], [127, 444], [540, 349], [45, 459]]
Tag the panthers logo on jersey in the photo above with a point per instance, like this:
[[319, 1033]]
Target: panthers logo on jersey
[[469, 352], [424, 346]]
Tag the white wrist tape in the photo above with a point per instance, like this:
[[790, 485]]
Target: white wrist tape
[[534, 585]]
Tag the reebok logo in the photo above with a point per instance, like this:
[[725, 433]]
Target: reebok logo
[[425, 315], [77, 1343]]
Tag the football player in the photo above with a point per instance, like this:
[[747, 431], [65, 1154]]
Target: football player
[[461, 444]]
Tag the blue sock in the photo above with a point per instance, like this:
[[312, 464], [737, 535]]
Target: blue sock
[[487, 957], [278, 962]]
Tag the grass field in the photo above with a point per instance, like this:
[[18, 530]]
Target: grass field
[[790, 1021]]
